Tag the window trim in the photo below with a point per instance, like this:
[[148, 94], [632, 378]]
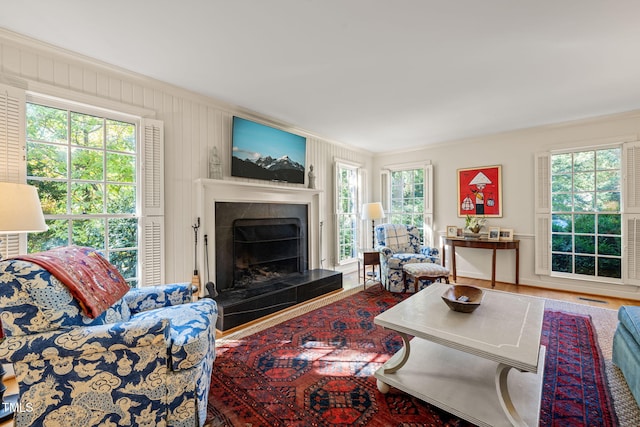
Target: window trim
[[338, 165], [630, 180], [427, 220], [103, 114]]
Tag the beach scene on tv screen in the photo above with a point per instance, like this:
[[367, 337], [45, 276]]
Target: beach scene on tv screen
[[267, 153]]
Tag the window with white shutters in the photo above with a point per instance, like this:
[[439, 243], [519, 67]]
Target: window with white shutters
[[100, 179], [587, 213]]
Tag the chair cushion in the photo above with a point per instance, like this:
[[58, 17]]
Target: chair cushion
[[398, 260], [189, 330], [426, 269], [35, 301]]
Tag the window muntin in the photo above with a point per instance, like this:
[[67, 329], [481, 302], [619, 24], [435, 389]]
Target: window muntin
[[85, 168], [407, 198], [586, 230], [347, 212]]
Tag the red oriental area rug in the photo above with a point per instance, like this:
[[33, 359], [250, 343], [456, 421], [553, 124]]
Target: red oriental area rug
[[317, 370]]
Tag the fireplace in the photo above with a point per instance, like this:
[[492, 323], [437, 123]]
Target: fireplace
[[256, 243], [265, 250], [261, 258]]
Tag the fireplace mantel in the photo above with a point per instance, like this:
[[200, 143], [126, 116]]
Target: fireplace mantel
[[210, 191]]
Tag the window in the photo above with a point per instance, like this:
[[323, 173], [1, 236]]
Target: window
[[347, 211], [85, 165], [408, 198], [588, 213], [586, 220]]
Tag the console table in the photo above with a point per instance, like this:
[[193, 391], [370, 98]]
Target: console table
[[482, 244]]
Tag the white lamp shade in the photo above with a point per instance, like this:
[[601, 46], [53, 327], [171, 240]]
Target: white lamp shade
[[20, 209], [372, 211]]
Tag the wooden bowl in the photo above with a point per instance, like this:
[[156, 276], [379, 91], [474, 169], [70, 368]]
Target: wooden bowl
[[452, 298]]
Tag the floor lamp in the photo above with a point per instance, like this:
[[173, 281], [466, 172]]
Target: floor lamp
[[20, 212], [372, 211]]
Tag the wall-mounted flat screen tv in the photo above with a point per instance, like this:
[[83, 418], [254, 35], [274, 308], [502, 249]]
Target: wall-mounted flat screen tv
[[264, 152]]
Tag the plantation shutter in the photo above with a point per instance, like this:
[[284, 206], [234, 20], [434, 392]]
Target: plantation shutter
[[631, 213], [12, 155], [631, 174], [385, 190], [152, 224], [428, 205], [542, 196], [363, 191], [153, 241]]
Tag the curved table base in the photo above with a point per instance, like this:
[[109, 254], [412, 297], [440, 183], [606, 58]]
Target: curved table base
[[504, 397], [406, 352], [481, 391]]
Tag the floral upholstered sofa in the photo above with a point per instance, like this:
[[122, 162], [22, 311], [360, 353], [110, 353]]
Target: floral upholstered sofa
[[398, 245], [146, 360]]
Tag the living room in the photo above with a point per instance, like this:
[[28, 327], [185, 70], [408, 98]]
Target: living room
[[194, 123]]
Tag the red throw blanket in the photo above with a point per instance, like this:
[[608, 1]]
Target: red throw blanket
[[94, 282]]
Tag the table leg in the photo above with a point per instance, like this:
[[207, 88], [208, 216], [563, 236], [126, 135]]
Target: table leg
[[517, 266], [444, 255], [505, 398], [493, 270], [453, 262], [406, 350]]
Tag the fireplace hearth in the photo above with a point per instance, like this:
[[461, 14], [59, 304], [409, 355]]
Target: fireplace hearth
[[262, 261]]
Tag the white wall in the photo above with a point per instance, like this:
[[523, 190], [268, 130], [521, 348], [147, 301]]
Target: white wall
[[515, 151], [193, 125]]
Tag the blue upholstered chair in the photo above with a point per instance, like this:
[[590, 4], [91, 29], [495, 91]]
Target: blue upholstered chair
[[146, 360], [626, 347], [398, 245]]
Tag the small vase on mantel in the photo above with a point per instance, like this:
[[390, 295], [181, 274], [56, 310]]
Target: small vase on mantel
[[215, 168]]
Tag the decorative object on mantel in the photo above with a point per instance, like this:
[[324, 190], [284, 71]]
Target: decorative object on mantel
[[480, 191], [373, 211], [473, 225], [215, 168], [463, 298], [312, 177]]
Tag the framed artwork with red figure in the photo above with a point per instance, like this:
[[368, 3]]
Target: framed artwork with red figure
[[480, 191]]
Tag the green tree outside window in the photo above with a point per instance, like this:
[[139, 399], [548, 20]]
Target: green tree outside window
[[85, 169]]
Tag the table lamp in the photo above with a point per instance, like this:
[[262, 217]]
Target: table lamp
[[373, 211], [20, 212]]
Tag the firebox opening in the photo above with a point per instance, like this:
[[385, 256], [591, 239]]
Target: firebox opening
[[265, 249]]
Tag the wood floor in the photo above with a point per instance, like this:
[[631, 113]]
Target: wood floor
[[578, 298]]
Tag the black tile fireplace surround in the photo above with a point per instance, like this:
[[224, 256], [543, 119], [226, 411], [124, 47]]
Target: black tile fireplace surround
[[262, 261]]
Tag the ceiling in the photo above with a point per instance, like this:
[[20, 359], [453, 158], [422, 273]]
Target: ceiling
[[376, 74]]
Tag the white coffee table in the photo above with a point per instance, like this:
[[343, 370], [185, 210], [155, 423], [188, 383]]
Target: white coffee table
[[462, 362]]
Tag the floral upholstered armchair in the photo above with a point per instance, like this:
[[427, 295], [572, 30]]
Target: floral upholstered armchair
[[146, 360], [398, 245]]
